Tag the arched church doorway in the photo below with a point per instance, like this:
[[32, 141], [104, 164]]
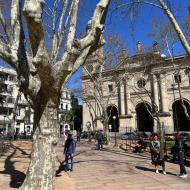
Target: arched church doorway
[[113, 118], [145, 121], [181, 120]]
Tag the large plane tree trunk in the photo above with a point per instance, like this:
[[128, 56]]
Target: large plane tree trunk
[[41, 171], [41, 74]]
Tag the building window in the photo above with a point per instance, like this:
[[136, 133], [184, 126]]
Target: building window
[[10, 89], [141, 83], [110, 87], [2, 100], [11, 78], [66, 106], [3, 87], [177, 78], [61, 106], [28, 129], [18, 112], [66, 94], [10, 111], [10, 100]]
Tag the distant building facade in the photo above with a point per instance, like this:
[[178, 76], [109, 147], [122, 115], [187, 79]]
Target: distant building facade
[[64, 107], [8, 93], [23, 121], [142, 90]]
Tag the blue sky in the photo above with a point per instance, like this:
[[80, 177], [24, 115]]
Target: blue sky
[[143, 24], [130, 34]]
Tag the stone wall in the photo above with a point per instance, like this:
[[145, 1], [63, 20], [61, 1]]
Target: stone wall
[[153, 83]]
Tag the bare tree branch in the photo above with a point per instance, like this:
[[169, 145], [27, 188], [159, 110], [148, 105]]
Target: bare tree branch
[[176, 26], [55, 6], [176, 71], [2, 21], [135, 2], [73, 22], [48, 8], [15, 28], [57, 38], [82, 48], [5, 54], [33, 11]]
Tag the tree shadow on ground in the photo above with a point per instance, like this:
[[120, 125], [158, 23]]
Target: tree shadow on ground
[[101, 160], [187, 162], [62, 165], [127, 154], [61, 168], [23, 152], [81, 152], [151, 170], [17, 177]]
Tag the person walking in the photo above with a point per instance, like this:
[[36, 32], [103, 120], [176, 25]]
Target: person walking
[[155, 154], [100, 139], [180, 150], [78, 136], [69, 151]]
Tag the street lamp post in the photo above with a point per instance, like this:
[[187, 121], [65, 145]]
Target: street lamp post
[[109, 131], [114, 118], [4, 124], [88, 125]]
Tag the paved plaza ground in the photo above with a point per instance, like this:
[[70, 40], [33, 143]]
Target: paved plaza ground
[[111, 168]]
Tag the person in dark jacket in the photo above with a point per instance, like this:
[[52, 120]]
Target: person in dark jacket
[[78, 136], [100, 139], [180, 149], [69, 151]]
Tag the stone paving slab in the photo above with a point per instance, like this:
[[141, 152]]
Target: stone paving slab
[[110, 169], [115, 169], [14, 164]]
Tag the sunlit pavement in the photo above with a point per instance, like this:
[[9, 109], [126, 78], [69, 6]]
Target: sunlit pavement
[[14, 164], [108, 169], [115, 169]]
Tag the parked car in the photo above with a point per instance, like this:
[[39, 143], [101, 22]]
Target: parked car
[[169, 137], [143, 135], [129, 136], [186, 136]]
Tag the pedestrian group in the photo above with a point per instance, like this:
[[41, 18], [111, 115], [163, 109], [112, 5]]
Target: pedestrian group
[[157, 156]]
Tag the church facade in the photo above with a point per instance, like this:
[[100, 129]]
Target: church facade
[[144, 90]]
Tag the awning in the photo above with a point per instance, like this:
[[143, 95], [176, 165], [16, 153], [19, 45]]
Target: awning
[[2, 126]]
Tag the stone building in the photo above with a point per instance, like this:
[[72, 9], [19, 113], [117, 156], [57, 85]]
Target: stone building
[[8, 93], [142, 90], [64, 107], [24, 114]]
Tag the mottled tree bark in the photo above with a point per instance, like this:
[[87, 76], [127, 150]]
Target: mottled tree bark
[[41, 75], [41, 171]]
